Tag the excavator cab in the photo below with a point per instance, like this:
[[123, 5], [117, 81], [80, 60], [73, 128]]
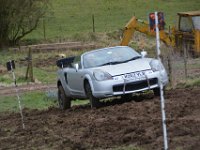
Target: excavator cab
[[188, 33], [185, 36]]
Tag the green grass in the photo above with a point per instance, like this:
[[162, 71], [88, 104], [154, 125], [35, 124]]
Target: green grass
[[33, 100], [190, 82], [45, 76], [7, 78], [80, 102], [40, 75], [69, 17], [44, 66]]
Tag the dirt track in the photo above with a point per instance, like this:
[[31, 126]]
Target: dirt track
[[8, 91], [130, 123]]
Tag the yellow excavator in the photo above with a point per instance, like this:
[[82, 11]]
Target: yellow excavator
[[187, 34]]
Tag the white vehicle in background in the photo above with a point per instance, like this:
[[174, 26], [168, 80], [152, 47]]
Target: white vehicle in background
[[107, 72]]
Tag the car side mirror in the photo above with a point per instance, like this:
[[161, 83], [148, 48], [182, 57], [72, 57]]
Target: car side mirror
[[76, 66], [144, 54]]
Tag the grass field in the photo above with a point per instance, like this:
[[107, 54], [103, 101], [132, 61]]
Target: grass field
[[33, 100], [69, 18], [41, 74], [44, 66]]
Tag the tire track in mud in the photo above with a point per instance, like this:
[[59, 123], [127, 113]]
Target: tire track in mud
[[113, 125]]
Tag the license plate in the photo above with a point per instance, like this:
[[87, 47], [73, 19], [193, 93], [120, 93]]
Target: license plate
[[135, 76]]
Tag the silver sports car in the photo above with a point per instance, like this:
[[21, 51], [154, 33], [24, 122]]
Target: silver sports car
[[107, 72]]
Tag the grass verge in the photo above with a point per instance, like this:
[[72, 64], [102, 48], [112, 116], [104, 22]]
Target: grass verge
[[33, 100], [189, 83], [69, 17]]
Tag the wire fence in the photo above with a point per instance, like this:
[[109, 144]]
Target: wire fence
[[183, 72]]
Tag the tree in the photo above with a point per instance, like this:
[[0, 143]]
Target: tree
[[19, 18]]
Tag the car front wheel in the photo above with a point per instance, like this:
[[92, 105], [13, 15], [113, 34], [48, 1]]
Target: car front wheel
[[156, 91], [127, 97], [63, 101], [94, 102]]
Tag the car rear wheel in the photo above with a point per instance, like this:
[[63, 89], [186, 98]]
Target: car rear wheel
[[94, 102], [63, 101]]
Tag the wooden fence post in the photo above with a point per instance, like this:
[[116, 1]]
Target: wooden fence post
[[44, 29], [93, 23], [29, 71], [170, 71], [185, 60]]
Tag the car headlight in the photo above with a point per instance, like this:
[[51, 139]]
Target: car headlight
[[156, 65], [101, 75]]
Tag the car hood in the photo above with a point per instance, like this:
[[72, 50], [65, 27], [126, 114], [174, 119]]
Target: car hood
[[131, 66]]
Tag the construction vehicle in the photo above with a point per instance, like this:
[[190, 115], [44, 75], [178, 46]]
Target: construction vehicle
[[185, 35]]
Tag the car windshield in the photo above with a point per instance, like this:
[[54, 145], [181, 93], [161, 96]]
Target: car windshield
[[109, 56]]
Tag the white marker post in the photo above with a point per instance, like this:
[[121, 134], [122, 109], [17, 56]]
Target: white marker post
[[161, 86], [10, 63]]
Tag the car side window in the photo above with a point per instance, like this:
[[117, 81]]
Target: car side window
[[78, 60]]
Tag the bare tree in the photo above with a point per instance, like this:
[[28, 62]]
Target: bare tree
[[19, 18]]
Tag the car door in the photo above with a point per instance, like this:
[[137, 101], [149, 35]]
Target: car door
[[63, 79], [75, 79]]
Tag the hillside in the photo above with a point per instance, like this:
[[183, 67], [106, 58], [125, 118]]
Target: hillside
[[70, 18]]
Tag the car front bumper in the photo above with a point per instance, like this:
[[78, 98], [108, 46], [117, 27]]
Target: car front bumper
[[109, 88]]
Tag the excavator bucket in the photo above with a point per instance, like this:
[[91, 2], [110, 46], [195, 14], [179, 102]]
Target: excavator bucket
[[128, 31]]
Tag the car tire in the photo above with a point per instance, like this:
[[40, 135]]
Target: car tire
[[156, 91], [127, 97], [94, 102], [63, 101]]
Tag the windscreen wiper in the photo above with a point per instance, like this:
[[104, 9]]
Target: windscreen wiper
[[119, 62], [112, 63], [134, 58]]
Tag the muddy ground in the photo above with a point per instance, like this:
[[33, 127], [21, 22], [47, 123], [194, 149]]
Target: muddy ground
[[116, 124]]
